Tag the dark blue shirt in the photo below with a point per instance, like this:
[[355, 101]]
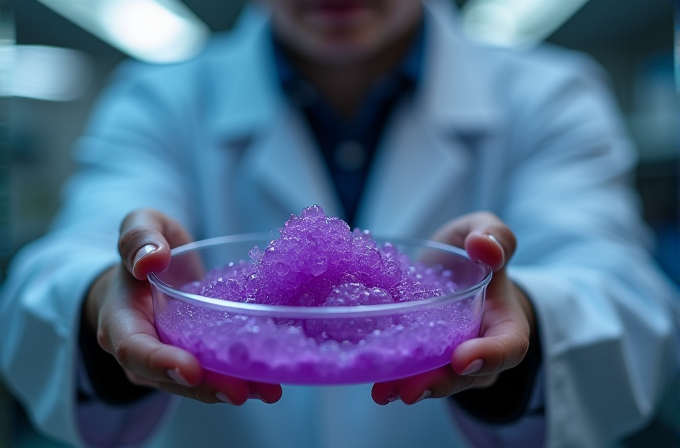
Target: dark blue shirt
[[348, 146]]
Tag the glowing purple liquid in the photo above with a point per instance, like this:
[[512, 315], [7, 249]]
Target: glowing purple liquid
[[318, 262]]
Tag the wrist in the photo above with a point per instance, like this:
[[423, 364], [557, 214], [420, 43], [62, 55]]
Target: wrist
[[107, 377], [507, 400], [527, 308]]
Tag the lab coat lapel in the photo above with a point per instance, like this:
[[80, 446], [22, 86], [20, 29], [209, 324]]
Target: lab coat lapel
[[426, 164], [279, 167], [285, 167]]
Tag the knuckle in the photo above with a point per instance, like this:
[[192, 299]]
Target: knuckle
[[524, 347], [504, 349], [103, 340], [486, 381], [487, 216], [121, 352], [151, 359], [187, 392], [136, 379], [526, 343], [132, 237], [512, 351], [460, 384], [132, 217], [455, 383], [176, 389], [508, 237]]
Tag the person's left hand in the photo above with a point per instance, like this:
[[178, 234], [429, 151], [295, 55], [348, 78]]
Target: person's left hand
[[507, 322]]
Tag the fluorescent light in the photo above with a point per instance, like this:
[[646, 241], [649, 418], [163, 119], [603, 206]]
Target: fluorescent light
[[516, 22], [159, 31], [6, 67], [6, 57], [45, 73]]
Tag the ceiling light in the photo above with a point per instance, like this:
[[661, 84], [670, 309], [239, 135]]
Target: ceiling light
[[159, 31], [514, 23], [45, 73]]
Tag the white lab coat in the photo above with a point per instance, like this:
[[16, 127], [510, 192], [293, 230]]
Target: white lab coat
[[532, 136]]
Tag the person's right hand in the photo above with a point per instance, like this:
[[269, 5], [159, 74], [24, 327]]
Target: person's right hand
[[119, 308]]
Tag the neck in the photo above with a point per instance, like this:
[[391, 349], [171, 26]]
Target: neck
[[344, 86]]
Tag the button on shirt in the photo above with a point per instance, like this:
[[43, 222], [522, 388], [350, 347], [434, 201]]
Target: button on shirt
[[348, 146]]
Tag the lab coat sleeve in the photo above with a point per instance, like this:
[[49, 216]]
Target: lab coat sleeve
[[129, 158], [527, 431], [604, 309]]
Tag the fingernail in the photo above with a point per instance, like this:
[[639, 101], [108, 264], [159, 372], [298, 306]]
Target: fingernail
[[223, 397], [426, 394], [392, 397], [258, 397], [177, 377], [495, 240], [474, 366], [143, 252]]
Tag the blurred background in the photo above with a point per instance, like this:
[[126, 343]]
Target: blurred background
[[56, 55]]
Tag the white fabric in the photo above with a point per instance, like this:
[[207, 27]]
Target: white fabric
[[532, 136]]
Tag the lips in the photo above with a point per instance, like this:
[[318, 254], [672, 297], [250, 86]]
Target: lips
[[338, 10], [337, 6]]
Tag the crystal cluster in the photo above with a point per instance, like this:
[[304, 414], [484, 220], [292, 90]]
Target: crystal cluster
[[318, 262]]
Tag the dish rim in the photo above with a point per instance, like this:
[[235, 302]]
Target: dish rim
[[298, 312]]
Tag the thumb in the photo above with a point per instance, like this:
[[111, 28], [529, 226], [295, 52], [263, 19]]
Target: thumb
[[146, 237], [483, 236]]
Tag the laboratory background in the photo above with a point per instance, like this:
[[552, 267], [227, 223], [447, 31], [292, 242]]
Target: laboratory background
[[56, 56]]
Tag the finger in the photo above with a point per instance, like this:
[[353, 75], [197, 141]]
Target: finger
[[267, 393], [207, 388], [227, 389], [128, 334], [216, 388], [502, 347], [145, 355], [146, 237], [234, 394], [487, 249], [385, 392], [205, 392], [439, 383], [483, 235], [139, 380]]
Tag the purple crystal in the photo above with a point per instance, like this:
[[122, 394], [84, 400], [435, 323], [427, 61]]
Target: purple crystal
[[313, 257]]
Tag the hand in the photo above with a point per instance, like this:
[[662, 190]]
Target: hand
[[119, 307], [507, 322]]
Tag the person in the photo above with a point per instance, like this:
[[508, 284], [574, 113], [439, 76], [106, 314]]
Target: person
[[384, 114]]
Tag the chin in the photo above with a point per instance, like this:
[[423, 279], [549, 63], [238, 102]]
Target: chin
[[341, 56], [346, 50]]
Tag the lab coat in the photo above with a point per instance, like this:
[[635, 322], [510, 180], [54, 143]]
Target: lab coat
[[532, 136]]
